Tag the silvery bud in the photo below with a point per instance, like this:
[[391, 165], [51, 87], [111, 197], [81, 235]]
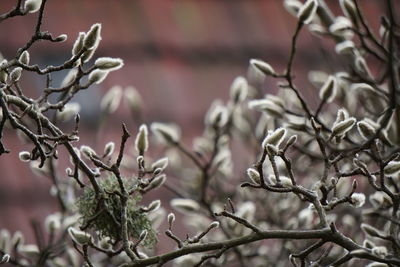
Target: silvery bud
[[5, 258], [157, 182], [349, 9], [24, 58], [153, 206], [357, 199], [167, 133], [370, 230], [111, 99], [214, 224], [108, 63], [328, 90], [366, 129], [239, 89], [341, 27], [380, 251], [32, 6], [29, 251], [341, 128], [69, 111], [88, 151], [142, 140], [24, 156], [17, 239], [345, 47], [79, 237], [133, 99], [109, 149], [361, 66], [274, 138], [262, 66], [307, 11], [185, 205], [292, 6], [78, 44], [52, 223], [15, 74], [268, 106], [171, 218], [97, 76], [253, 175], [61, 38], [160, 164], [218, 116], [392, 167], [92, 37]]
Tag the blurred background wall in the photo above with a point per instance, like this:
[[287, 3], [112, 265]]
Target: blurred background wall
[[180, 55]]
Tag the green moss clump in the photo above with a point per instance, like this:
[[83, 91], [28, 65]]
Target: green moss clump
[[137, 220]]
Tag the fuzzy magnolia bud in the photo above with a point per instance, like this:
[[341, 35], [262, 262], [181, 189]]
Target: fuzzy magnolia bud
[[69, 111], [111, 99], [15, 74], [88, 151], [349, 9], [108, 63], [218, 116], [97, 76], [239, 89], [32, 6], [366, 129], [132, 99], [262, 66], [5, 258], [157, 182], [166, 132], [214, 224], [79, 237], [24, 156], [307, 11], [370, 230], [61, 38], [171, 218], [78, 45], [268, 106], [253, 175], [274, 138], [392, 168], [154, 205], [292, 6], [185, 205], [52, 223], [328, 90], [343, 127], [142, 140], [357, 199], [345, 47], [109, 149], [92, 37], [160, 164], [29, 250], [24, 58]]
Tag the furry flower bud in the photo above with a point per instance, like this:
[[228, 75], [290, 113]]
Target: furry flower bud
[[108, 63], [92, 37], [15, 74], [24, 58], [78, 44], [239, 90], [142, 140], [262, 66], [185, 205], [343, 127], [79, 237], [111, 99], [392, 167], [32, 6], [24, 156], [328, 90], [167, 133], [274, 138], [253, 175], [357, 199], [366, 129], [307, 11], [109, 149], [97, 76]]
